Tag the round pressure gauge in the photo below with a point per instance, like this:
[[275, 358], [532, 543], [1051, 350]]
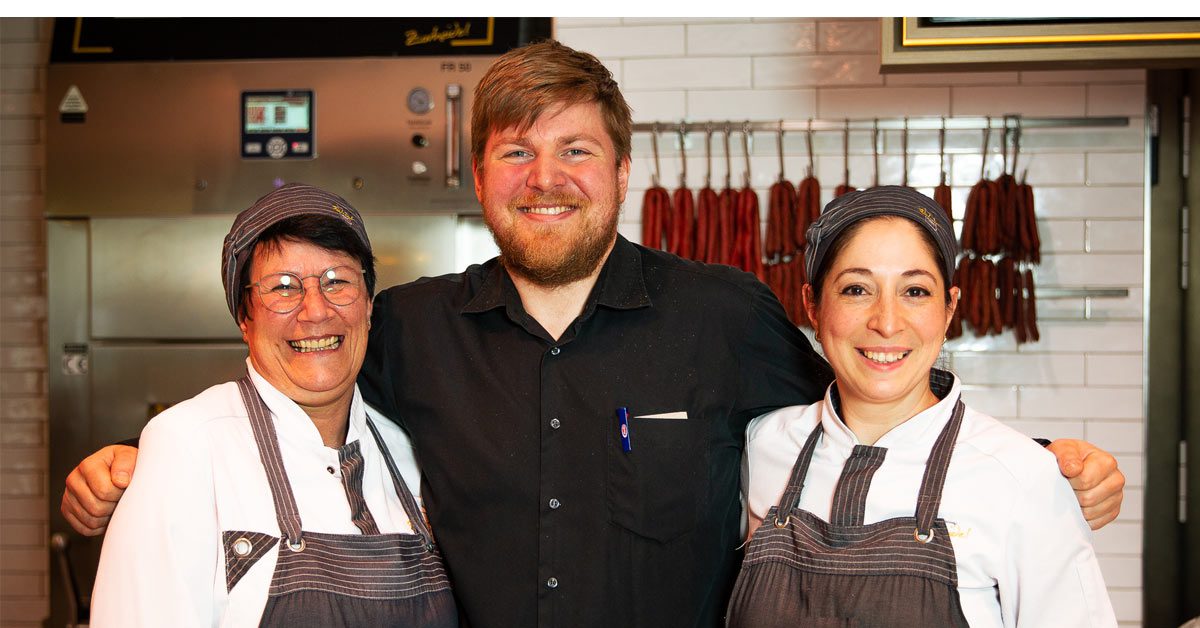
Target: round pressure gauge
[[419, 100]]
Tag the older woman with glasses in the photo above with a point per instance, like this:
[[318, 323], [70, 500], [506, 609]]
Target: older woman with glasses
[[276, 500]]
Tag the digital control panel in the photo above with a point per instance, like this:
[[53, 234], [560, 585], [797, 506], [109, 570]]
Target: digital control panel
[[278, 125]]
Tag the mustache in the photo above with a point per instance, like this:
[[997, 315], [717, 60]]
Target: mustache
[[555, 198]]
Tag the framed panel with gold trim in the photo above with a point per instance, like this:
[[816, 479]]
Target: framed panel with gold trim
[[923, 44]]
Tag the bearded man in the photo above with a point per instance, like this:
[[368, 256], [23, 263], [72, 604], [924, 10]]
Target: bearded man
[[578, 405]]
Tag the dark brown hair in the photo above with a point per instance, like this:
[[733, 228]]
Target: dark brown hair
[[526, 82]]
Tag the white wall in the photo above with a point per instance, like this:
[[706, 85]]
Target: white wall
[[1083, 379]]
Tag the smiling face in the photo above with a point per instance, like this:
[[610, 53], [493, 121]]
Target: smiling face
[[551, 194], [883, 316], [313, 353]]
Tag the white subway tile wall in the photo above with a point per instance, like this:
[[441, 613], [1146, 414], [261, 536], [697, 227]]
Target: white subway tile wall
[[1083, 379], [24, 505]]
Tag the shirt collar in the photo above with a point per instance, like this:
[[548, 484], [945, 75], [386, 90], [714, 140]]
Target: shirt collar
[[290, 416], [925, 425], [621, 285]]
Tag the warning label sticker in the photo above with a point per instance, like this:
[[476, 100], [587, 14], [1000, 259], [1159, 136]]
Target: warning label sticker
[[73, 107], [73, 102]]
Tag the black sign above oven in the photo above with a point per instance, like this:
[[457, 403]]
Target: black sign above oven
[[96, 39]]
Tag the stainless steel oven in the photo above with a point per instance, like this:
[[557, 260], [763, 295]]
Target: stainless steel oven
[[149, 160]]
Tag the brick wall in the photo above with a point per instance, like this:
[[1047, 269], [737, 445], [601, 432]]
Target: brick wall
[[1084, 378], [24, 581]]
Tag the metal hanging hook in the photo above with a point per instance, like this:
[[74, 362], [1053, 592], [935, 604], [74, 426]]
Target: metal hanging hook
[[728, 164], [1017, 148], [682, 155], [1004, 148], [942, 153], [779, 145], [904, 153], [708, 132], [808, 139], [654, 146], [746, 136], [846, 153], [875, 150], [987, 135]]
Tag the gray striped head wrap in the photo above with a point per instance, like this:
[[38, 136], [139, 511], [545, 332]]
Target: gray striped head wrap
[[293, 199], [890, 200]]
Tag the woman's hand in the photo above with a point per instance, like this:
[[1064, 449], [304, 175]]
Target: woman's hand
[[95, 486], [1099, 485]]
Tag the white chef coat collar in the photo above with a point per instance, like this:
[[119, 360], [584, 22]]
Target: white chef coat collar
[[923, 427], [288, 414]]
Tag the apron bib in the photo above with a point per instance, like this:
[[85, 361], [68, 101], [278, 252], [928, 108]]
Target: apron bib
[[368, 579], [802, 571]]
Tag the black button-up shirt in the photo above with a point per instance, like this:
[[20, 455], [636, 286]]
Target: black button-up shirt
[[544, 518]]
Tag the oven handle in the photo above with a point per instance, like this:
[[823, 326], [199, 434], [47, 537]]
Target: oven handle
[[453, 135], [77, 613]]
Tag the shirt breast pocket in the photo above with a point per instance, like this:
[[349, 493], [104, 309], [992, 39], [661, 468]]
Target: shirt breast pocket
[[659, 489]]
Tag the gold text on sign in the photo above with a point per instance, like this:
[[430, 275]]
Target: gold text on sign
[[452, 31]]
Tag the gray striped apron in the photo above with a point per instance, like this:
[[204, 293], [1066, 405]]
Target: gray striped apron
[[802, 571], [367, 579]]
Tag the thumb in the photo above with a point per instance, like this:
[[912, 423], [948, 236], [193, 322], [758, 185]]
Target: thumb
[[1070, 458], [124, 459]]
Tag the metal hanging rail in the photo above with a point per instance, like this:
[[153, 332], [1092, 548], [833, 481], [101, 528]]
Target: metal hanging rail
[[926, 123], [1081, 293]]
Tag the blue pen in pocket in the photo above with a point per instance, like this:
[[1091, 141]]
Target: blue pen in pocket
[[623, 428]]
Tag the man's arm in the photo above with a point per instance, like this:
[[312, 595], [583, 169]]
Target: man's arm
[[94, 487]]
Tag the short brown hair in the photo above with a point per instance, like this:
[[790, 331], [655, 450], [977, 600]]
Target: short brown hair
[[525, 82]]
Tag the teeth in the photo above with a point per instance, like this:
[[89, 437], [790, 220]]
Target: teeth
[[884, 358], [321, 344], [547, 211]]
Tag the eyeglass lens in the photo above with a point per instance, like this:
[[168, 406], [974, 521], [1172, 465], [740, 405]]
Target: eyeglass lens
[[283, 292]]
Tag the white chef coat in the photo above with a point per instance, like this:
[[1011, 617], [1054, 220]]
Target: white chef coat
[[1022, 546], [198, 474]]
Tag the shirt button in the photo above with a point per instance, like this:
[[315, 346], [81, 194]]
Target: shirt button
[[555, 351], [555, 423], [554, 503], [552, 583]]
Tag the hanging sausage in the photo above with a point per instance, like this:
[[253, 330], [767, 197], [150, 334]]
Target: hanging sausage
[[656, 206], [808, 196], [978, 283], [1029, 251], [726, 212], [1007, 219], [785, 261], [747, 253], [781, 207], [1030, 244], [683, 214], [706, 207]]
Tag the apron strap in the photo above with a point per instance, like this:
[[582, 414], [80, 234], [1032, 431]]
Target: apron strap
[[267, 440], [406, 497], [791, 497], [930, 497]]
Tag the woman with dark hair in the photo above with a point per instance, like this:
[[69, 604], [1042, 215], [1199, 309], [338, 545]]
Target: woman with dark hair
[[889, 502], [276, 500]]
